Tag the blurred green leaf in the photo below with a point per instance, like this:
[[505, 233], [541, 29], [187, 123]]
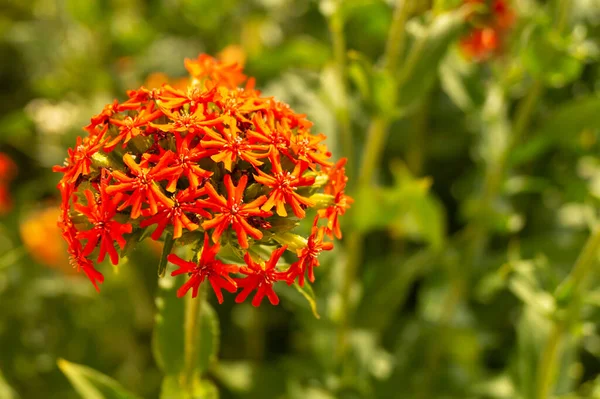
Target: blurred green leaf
[[408, 208], [308, 293], [168, 338], [360, 70], [385, 92], [236, 376], [561, 127], [91, 384], [202, 389], [420, 68], [533, 330], [6, 392], [550, 57], [388, 284], [460, 81]]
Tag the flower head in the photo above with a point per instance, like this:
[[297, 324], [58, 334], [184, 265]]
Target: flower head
[[488, 30], [208, 159]]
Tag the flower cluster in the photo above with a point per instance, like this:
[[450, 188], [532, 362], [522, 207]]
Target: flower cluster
[[488, 29], [213, 164]]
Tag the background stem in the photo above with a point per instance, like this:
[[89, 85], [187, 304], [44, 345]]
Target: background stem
[[370, 157], [193, 307], [336, 27]]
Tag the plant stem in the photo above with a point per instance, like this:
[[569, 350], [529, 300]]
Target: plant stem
[[193, 307], [415, 156], [336, 27], [371, 155], [574, 282]]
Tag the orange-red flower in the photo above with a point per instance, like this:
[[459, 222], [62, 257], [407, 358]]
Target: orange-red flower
[[100, 213], [335, 186], [308, 148], [308, 257], [260, 276], [79, 161], [207, 267], [233, 212], [231, 145], [140, 187], [205, 66], [176, 211], [131, 127], [489, 30], [8, 171], [184, 162], [284, 185]]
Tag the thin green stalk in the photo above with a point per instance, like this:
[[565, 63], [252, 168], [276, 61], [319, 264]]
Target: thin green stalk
[[525, 112], [371, 155], [193, 307], [336, 27], [574, 283], [415, 156], [395, 44]]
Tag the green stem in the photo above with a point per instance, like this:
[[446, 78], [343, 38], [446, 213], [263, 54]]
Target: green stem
[[193, 307], [415, 156], [574, 283], [371, 155], [336, 27], [525, 112], [395, 44], [547, 362]]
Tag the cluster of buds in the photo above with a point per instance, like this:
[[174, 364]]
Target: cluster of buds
[[215, 166], [489, 27]]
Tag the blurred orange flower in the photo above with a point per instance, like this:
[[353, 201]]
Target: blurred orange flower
[[488, 29], [43, 240]]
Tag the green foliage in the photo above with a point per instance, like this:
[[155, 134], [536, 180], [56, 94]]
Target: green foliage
[[91, 384], [169, 335], [202, 389]]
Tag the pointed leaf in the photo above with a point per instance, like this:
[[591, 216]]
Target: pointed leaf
[[308, 293], [167, 248], [91, 384]]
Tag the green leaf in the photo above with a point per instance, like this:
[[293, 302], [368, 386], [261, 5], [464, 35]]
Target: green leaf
[[560, 128], [385, 93], [387, 285], [202, 389], [308, 293], [533, 330], [6, 392], [167, 248], [408, 208], [460, 81], [359, 72], [168, 338], [91, 384], [550, 56], [421, 66]]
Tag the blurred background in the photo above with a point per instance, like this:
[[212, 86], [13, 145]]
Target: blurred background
[[485, 192]]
